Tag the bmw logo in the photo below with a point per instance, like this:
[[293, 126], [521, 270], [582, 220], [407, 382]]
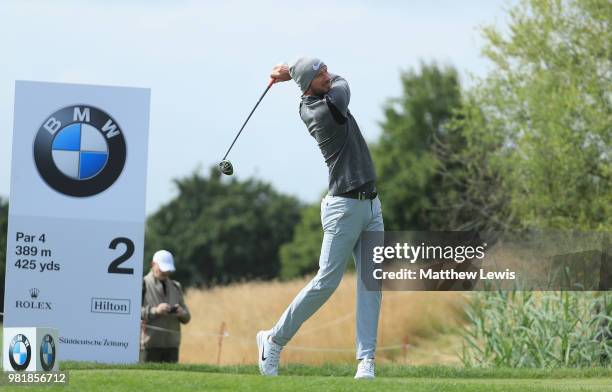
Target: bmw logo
[[47, 352], [20, 352], [79, 150]]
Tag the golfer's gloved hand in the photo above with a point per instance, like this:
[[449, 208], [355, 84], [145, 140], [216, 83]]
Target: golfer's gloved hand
[[280, 73]]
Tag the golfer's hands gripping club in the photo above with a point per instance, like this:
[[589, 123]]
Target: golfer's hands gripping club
[[280, 73]]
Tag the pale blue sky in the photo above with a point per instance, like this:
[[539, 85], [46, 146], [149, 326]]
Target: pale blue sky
[[207, 63]]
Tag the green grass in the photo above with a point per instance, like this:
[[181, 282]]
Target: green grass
[[543, 330], [160, 377]]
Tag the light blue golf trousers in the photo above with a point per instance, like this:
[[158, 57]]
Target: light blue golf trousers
[[343, 222]]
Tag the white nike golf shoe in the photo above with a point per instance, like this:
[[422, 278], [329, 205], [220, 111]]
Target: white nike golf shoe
[[365, 369], [269, 354]]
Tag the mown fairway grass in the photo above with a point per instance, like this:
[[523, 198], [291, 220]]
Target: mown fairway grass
[[93, 377]]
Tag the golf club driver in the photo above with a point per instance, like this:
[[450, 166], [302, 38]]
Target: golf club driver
[[225, 165]]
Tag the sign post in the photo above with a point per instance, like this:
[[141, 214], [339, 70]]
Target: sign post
[[76, 217]]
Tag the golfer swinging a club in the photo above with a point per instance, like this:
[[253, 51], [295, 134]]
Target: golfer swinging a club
[[350, 207]]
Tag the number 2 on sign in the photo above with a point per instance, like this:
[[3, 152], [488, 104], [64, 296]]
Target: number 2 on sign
[[114, 268]]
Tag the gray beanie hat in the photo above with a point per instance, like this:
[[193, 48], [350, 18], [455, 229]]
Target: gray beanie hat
[[303, 70]]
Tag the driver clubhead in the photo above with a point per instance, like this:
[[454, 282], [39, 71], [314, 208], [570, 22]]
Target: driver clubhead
[[226, 167]]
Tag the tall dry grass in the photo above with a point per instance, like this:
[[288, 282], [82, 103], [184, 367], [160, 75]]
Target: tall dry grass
[[428, 320]]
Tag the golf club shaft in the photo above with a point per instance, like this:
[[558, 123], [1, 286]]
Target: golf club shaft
[[247, 119]]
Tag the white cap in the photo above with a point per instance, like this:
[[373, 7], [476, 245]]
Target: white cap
[[164, 260]]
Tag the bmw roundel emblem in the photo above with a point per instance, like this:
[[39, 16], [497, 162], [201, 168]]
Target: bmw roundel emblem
[[79, 150], [20, 352], [47, 352]]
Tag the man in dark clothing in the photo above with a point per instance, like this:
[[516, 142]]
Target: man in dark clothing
[[351, 207], [163, 311]]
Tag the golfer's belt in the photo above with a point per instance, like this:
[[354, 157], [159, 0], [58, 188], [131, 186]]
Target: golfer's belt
[[359, 195]]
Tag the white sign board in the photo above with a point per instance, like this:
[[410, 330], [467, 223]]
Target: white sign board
[[76, 216]]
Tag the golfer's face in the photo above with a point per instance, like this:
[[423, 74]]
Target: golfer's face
[[322, 82]]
